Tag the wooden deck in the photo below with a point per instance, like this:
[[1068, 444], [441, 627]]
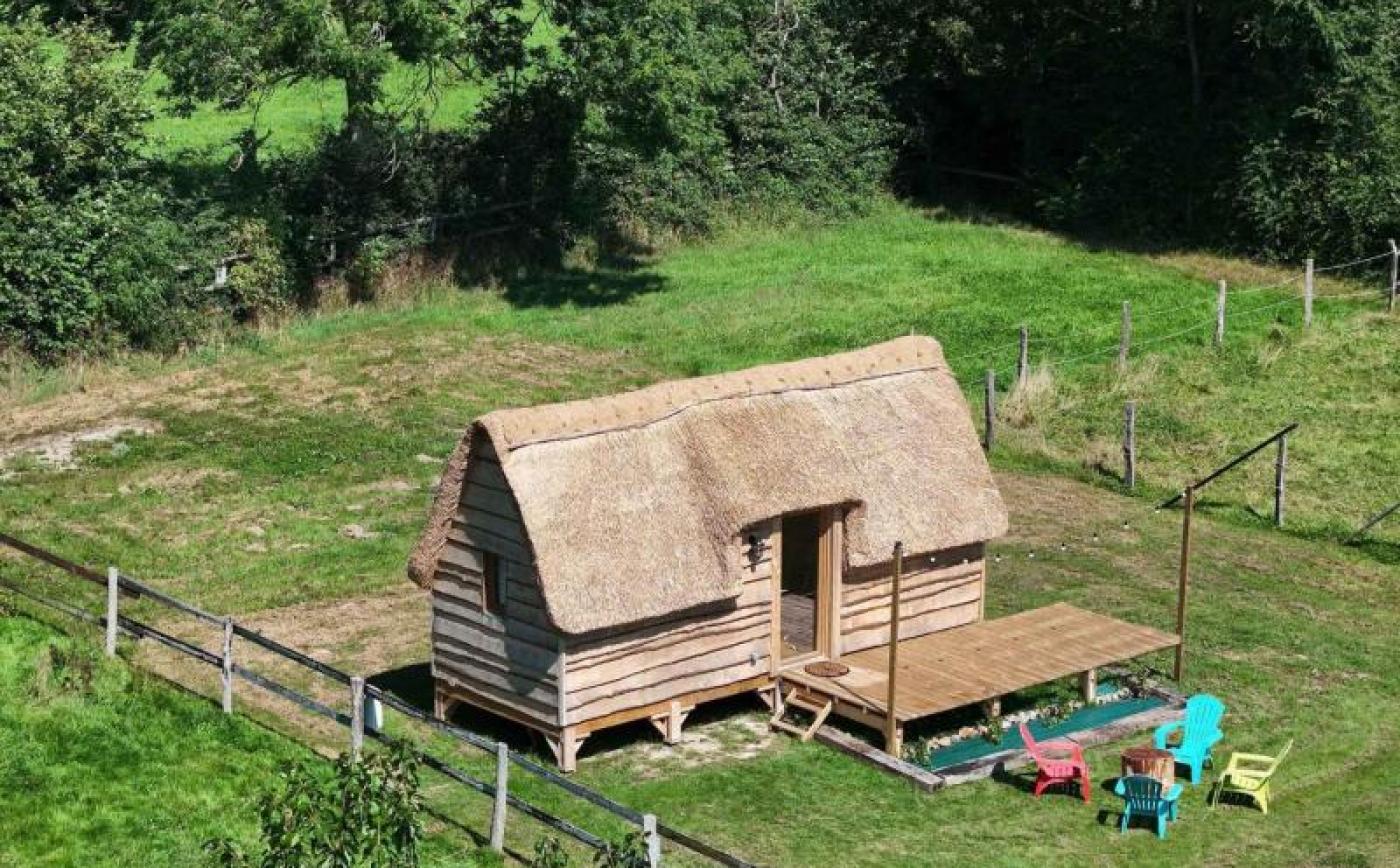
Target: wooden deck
[[980, 662]]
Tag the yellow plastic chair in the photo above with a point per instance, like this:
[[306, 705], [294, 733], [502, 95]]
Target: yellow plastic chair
[[1248, 774]]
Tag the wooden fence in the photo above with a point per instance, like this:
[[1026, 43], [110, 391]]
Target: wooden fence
[[361, 694]]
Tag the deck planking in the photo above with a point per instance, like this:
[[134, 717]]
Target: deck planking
[[977, 662]]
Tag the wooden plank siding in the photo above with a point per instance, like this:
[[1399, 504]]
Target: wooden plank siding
[[939, 591], [511, 657], [688, 654]]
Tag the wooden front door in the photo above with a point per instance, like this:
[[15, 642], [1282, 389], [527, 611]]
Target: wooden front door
[[804, 600]]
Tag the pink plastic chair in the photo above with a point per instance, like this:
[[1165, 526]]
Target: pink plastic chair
[[1057, 762]]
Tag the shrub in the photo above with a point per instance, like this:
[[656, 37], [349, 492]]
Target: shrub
[[362, 812], [90, 249]]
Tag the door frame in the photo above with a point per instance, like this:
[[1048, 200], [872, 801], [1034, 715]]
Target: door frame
[[827, 619]]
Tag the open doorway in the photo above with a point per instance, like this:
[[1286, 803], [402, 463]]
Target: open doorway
[[805, 586]]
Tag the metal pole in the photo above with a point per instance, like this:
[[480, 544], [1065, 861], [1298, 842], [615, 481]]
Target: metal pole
[[1182, 578], [113, 585], [891, 712]]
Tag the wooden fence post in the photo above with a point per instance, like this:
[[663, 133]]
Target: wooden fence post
[[1280, 479], [499, 807], [1130, 444], [226, 666], [357, 716], [653, 840], [1308, 293], [1125, 336], [989, 411], [1023, 358], [113, 583], [1220, 315], [1394, 276]]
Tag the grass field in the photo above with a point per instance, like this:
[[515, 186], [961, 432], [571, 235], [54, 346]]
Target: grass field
[[289, 472]]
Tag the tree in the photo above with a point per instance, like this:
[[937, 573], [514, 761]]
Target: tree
[[235, 53]]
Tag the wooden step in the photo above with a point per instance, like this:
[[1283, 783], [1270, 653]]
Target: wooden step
[[818, 707]]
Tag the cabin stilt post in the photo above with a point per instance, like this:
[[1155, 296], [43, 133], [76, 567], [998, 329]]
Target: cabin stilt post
[[565, 747], [1089, 685], [892, 728], [669, 722]]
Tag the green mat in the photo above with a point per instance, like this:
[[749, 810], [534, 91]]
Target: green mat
[[1088, 717]]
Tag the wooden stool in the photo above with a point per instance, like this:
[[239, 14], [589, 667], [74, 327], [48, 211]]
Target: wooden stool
[[1150, 761]]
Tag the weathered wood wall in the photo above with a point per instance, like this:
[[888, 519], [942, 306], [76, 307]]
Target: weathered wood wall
[[511, 657], [937, 595], [662, 661]]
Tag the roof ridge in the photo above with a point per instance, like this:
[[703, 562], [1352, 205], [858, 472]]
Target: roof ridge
[[527, 426]]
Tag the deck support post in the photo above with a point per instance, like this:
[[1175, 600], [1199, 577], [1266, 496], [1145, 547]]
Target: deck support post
[[893, 731], [1182, 579], [669, 722], [565, 747], [1089, 685], [992, 707]]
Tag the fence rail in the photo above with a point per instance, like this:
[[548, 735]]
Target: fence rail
[[119, 584]]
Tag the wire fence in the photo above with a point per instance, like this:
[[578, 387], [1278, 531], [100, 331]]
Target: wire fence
[[363, 696]]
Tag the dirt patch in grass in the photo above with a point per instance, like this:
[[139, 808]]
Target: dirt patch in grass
[[59, 450]]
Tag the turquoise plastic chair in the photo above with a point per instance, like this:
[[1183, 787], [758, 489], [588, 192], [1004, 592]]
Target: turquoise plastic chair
[[1200, 732], [1142, 796]]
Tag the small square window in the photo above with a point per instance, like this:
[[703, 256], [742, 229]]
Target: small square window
[[493, 595]]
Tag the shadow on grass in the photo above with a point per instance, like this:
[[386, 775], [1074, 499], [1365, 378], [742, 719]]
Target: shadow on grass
[[581, 288]]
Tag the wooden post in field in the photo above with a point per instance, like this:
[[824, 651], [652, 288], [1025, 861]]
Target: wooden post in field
[[113, 584], [1220, 315], [1394, 276], [1023, 358], [891, 713], [1182, 578], [989, 411], [1130, 444], [1125, 335], [1280, 479], [499, 807], [357, 716], [226, 667], [653, 839], [1308, 293]]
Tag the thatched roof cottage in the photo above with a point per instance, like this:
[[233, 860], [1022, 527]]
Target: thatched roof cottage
[[627, 557]]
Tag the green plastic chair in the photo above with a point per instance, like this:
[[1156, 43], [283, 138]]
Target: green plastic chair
[[1248, 774], [1200, 730], [1143, 797]]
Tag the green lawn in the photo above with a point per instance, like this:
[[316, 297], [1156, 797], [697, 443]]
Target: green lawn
[[103, 767], [269, 449], [296, 116]]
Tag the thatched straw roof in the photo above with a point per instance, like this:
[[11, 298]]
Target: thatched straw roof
[[634, 503]]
